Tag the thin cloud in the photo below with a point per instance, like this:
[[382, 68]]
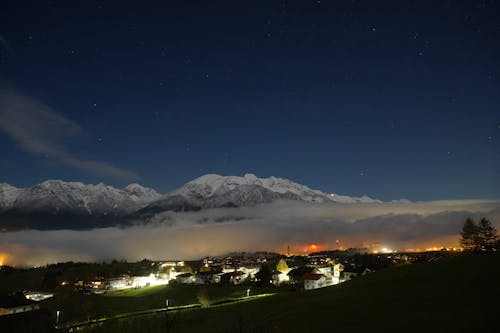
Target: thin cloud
[[41, 131]]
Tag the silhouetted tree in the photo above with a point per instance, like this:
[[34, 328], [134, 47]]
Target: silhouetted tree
[[487, 235], [468, 238], [479, 237], [264, 275]]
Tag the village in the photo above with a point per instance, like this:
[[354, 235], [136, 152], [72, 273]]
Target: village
[[261, 268], [230, 278]]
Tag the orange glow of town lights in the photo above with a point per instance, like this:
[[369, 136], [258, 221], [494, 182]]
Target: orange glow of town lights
[[311, 247], [3, 258]]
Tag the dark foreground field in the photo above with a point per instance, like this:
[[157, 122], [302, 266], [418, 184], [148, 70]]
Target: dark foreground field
[[459, 294]]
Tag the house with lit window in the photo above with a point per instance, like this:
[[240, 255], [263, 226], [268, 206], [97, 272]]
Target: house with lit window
[[186, 278], [234, 278]]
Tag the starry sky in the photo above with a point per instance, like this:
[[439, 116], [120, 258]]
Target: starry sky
[[392, 99]]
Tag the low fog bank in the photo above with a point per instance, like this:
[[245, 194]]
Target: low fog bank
[[269, 227]]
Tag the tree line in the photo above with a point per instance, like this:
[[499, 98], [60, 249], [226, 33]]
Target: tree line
[[481, 236]]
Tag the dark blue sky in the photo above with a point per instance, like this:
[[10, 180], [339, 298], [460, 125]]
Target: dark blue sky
[[388, 99]]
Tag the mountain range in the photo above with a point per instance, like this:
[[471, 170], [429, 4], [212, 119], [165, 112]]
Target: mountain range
[[56, 204]]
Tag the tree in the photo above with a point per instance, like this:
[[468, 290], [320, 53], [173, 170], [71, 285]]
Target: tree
[[282, 267], [264, 275], [479, 237], [487, 235], [468, 235]]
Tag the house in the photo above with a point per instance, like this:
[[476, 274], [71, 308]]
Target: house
[[208, 277], [37, 295], [15, 303], [313, 281], [353, 271], [250, 270], [173, 272], [148, 280], [121, 282], [185, 278], [337, 270], [277, 278], [235, 278], [295, 275], [280, 274], [325, 270]]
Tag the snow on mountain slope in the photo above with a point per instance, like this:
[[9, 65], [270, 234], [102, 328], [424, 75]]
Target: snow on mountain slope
[[58, 196], [8, 195], [212, 191], [211, 185], [74, 205], [141, 194]]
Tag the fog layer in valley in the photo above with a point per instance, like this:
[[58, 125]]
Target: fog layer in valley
[[270, 227]]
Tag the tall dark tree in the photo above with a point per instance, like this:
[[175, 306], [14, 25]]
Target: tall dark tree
[[479, 237], [264, 275], [469, 233], [486, 235]]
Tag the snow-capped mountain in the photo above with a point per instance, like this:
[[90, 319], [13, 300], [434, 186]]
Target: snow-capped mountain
[[69, 203], [56, 204], [56, 195], [214, 191]]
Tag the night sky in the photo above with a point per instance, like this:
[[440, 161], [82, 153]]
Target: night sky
[[388, 99]]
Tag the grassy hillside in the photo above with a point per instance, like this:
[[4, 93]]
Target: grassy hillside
[[78, 307], [460, 294]]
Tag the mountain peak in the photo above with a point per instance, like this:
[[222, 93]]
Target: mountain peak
[[250, 176], [8, 195], [141, 193]]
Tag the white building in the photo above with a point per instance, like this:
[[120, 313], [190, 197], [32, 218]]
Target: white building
[[313, 281], [117, 283]]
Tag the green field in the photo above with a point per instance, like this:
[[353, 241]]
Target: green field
[[76, 307], [460, 294]]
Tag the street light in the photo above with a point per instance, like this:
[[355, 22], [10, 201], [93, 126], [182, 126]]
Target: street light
[[167, 319]]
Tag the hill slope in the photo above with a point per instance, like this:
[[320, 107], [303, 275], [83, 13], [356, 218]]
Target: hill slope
[[460, 294]]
